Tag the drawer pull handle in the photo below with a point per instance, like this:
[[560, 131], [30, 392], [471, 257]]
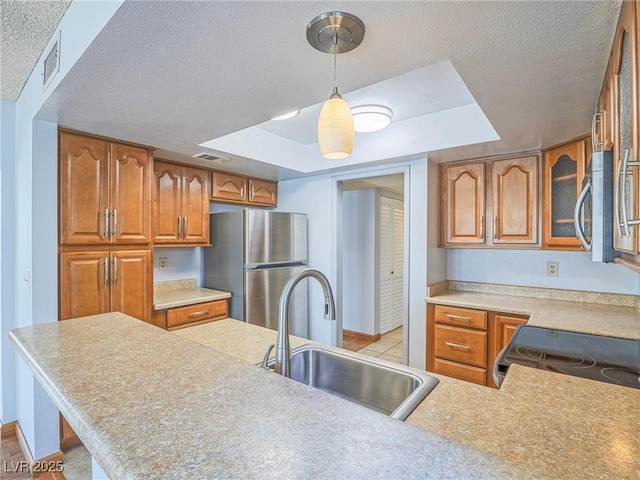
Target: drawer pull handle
[[457, 317], [199, 314], [457, 345]]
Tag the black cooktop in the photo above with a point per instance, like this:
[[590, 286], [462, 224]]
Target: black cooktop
[[606, 359]]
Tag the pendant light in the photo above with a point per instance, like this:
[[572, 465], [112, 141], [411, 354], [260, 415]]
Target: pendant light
[[335, 32]]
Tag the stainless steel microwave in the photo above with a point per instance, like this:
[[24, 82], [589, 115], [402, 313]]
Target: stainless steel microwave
[[593, 213]]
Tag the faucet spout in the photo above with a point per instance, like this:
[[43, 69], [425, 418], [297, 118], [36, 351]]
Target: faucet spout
[[283, 350]]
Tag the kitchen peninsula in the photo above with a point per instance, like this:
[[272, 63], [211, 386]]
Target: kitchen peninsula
[[196, 412]]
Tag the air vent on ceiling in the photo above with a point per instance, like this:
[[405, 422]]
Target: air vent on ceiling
[[212, 158], [51, 64]]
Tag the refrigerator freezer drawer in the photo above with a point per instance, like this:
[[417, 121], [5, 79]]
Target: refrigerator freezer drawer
[[262, 299]]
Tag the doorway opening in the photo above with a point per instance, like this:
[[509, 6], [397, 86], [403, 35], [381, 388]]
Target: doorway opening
[[373, 283]]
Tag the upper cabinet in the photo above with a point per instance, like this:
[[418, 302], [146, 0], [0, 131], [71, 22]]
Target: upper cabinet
[[105, 191], [489, 203], [181, 205], [514, 186], [231, 188], [563, 171], [624, 78], [463, 204]]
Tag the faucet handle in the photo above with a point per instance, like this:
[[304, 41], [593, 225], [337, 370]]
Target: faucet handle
[[265, 360]]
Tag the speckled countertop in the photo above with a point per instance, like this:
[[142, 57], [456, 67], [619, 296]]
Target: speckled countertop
[[586, 312], [239, 339], [194, 412], [178, 293]]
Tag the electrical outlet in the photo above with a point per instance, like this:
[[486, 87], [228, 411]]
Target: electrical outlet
[[552, 269], [162, 263]]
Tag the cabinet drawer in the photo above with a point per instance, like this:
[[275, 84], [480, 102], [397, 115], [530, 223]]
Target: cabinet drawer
[[461, 345], [197, 312], [461, 372], [463, 317]]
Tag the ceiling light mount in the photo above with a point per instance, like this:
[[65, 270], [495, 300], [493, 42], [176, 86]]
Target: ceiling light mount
[[335, 32]]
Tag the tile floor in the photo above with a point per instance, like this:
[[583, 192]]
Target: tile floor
[[389, 347], [77, 463]]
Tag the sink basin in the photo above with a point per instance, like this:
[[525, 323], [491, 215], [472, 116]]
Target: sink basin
[[384, 387]]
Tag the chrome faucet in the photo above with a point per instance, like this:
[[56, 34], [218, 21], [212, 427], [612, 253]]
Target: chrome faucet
[[283, 351]]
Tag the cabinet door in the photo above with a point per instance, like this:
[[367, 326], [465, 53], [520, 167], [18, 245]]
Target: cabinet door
[[262, 192], [563, 174], [167, 204], [130, 194], [625, 86], [515, 200], [84, 284], [504, 326], [228, 187], [603, 126], [195, 205], [84, 183], [464, 204], [131, 287]]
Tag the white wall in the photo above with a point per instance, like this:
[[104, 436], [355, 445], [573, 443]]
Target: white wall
[[7, 258], [359, 260], [29, 226], [529, 268], [317, 197], [437, 264], [182, 263]]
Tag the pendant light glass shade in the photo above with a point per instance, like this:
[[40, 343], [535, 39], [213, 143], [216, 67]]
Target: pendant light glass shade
[[335, 128]]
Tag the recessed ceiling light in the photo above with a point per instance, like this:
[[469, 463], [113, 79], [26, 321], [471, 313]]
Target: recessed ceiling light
[[287, 116], [371, 118]]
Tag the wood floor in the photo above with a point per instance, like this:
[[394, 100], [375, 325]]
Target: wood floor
[[354, 341], [11, 457]]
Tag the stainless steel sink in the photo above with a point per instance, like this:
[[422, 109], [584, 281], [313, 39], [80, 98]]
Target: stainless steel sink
[[385, 387]]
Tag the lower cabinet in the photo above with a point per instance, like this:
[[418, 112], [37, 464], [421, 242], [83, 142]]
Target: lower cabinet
[[191, 315], [93, 282], [463, 343]]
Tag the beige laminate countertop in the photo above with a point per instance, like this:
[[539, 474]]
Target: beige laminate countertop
[[186, 296], [150, 404], [554, 426]]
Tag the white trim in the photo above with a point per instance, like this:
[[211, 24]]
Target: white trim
[[336, 245]]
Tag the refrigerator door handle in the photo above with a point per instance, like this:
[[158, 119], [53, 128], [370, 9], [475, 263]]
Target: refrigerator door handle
[[264, 266]]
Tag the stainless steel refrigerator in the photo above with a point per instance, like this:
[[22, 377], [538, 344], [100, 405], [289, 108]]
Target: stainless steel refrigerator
[[253, 254]]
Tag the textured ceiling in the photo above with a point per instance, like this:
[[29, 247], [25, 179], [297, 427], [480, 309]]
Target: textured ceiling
[[26, 29], [175, 74]]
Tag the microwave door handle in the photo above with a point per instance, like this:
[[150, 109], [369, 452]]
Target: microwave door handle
[[577, 211], [621, 191]]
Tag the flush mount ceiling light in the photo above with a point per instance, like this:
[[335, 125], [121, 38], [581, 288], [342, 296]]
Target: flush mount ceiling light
[[287, 116], [335, 32], [371, 118]]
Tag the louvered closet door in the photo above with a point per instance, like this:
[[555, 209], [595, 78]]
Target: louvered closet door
[[390, 263]]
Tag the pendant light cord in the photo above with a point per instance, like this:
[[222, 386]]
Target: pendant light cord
[[335, 56]]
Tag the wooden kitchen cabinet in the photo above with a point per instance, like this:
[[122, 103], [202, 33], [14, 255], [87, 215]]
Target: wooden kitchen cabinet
[[564, 169], [626, 126], [106, 281], [263, 192], [105, 191], [181, 205], [463, 343], [191, 315], [230, 188], [603, 124], [489, 203], [457, 343], [514, 186], [463, 204], [503, 328]]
